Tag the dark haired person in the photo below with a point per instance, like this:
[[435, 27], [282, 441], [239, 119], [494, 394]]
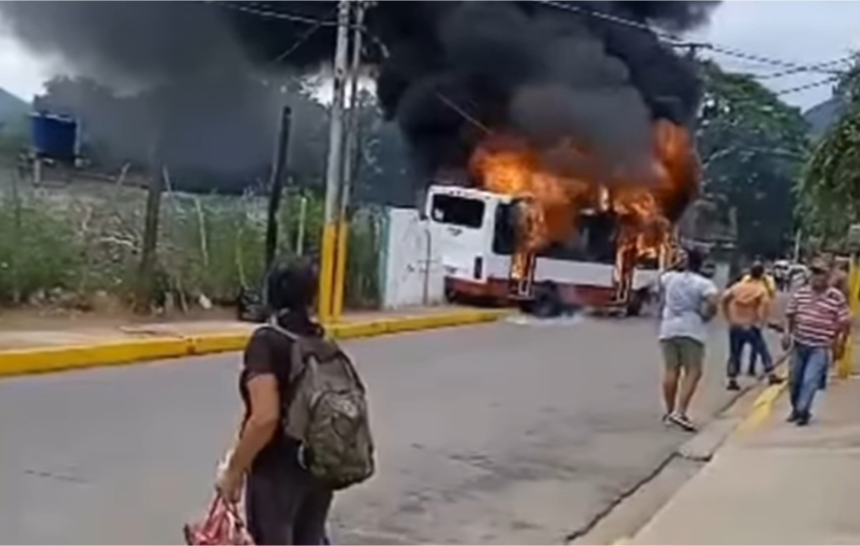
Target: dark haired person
[[689, 301], [746, 306], [817, 325], [284, 503]]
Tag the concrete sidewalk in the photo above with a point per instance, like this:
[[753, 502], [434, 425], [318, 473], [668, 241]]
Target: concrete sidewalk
[[48, 350], [777, 484]]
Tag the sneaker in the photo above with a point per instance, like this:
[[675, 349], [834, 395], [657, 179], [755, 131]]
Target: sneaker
[[733, 385], [802, 420], [773, 379], [666, 419], [792, 418], [683, 422]]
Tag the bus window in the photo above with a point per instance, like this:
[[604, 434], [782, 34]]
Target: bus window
[[599, 232], [505, 234], [457, 211]]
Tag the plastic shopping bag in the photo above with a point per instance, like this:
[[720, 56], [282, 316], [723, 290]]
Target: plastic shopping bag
[[223, 526]]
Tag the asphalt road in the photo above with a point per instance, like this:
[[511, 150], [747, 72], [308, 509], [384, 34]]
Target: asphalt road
[[499, 433]]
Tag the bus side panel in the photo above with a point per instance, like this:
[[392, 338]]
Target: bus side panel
[[645, 278], [576, 273]]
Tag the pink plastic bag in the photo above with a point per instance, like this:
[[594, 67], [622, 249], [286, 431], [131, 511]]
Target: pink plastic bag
[[223, 526]]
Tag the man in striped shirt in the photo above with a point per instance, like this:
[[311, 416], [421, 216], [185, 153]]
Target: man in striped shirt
[[817, 326]]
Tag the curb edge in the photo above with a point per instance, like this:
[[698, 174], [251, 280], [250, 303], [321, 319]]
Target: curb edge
[[19, 362]]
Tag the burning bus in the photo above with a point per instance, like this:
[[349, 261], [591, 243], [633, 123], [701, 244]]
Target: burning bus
[[528, 235]]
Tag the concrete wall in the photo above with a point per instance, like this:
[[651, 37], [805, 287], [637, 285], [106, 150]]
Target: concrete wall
[[411, 270]]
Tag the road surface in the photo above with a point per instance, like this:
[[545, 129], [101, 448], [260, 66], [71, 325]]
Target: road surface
[[499, 433]]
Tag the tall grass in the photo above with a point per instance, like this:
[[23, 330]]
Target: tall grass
[[80, 241]]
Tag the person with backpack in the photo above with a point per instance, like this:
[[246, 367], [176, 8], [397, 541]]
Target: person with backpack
[[305, 432]]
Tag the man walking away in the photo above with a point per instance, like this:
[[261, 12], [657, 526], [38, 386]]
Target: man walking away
[[817, 323], [689, 302], [746, 306]]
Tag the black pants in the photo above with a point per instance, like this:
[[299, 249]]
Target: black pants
[[285, 505]]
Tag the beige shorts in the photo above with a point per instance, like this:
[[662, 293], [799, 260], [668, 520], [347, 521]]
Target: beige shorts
[[682, 353]]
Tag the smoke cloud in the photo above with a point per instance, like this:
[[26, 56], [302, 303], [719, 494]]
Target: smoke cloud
[[549, 72], [447, 71]]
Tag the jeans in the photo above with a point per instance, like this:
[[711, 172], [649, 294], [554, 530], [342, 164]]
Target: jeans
[[739, 337], [808, 366], [759, 348]]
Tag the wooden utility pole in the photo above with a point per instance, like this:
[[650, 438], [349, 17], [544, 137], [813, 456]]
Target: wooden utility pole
[[276, 186]]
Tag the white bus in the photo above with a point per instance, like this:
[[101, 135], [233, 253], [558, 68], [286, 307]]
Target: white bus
[[476, 232]]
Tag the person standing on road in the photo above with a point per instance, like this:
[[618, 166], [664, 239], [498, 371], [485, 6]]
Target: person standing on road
[[760, 349], [746, 306], [284, 503], [689, 301], [817, 326]]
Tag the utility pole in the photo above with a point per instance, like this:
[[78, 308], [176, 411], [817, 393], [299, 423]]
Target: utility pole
[[334, 169], [693, 58], [148, 259], [276, 187], [349, 165]]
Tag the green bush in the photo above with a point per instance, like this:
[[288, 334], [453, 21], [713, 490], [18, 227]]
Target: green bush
[[86, 240]]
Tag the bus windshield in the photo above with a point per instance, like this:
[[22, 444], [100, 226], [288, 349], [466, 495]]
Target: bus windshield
[[457, 211]]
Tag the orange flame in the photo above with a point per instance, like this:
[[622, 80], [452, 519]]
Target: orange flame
[[645, 208]]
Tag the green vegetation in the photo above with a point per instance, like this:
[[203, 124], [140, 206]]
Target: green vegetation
[[753, 148], [830, 189], [61, 247]]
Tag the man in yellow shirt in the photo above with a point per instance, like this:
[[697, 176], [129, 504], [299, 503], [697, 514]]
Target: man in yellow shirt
[[746, 306]]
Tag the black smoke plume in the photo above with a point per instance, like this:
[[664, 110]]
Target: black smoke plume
[[548, 71], [447, 71]]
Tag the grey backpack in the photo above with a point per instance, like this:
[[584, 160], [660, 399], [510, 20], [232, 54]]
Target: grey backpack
[[327, 412]]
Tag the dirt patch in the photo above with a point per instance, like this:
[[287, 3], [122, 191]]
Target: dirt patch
[[41, 319]]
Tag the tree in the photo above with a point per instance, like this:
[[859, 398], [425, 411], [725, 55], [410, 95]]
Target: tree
[[753, 147], [830, 188]]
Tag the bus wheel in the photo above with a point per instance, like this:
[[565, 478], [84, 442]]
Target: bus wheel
[[547, 301]]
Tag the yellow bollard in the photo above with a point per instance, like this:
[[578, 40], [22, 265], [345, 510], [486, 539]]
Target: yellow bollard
[[339, 277], [845, 367], [326, 280]]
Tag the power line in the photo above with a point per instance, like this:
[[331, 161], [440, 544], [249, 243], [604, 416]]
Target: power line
[[676, 41], [267, 13], [301, 40], [790, 67], [813, 85], [821, 67], [672, 39]]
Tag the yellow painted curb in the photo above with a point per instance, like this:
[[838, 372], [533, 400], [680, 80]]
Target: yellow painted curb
[[763, 405], [761, 408], [54, 359]]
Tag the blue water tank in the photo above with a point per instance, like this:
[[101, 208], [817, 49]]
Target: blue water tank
[[54, 136]]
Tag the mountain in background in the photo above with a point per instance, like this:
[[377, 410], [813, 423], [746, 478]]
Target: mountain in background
[[11, 106], [822, 116]]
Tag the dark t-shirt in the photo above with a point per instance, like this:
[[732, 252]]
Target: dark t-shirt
[[270, 352]]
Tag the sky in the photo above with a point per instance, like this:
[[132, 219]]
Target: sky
[[801, 32]]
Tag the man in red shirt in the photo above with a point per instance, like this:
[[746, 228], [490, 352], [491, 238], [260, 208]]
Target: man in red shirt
[[818, 321]]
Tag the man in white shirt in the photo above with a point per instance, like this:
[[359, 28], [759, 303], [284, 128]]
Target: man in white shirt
[[689, 301]]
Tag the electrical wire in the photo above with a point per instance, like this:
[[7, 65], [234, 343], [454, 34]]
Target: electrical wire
[[805, 87], [791, 68], [821, 67], [676, 41], [267, 13]]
